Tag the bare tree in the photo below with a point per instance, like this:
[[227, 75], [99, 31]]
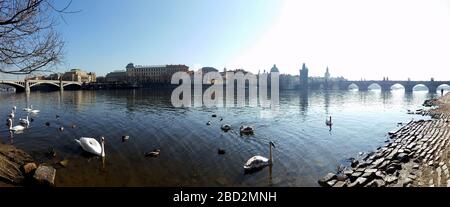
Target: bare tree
[[28, 39]]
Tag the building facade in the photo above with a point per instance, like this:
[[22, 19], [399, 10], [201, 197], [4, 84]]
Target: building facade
[[79, 75], [153, 74], [116, 76]]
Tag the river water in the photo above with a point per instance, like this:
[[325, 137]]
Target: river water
[[305, 150]]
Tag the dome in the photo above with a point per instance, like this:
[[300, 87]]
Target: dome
[[274, 69]]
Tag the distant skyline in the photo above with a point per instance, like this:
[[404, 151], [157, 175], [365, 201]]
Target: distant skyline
[[356, 39]]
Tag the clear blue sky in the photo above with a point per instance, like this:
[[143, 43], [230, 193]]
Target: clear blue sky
[[369, 39], [108, 34]]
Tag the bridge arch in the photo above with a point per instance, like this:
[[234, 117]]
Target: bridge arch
[[420, 87], [44, 83], [397, 87], [353, 87], [72, 86], [374, 87], [13, 84], [446, 88]]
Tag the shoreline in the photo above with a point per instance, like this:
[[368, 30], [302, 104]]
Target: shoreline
[[417, 155]]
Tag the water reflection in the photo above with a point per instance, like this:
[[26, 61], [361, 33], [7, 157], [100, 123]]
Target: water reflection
[[306, 147]]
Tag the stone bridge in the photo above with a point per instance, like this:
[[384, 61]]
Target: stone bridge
[[26, 85], [387, 85]]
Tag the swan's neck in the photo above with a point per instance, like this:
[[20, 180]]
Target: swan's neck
[[270, 154], [103, 149]]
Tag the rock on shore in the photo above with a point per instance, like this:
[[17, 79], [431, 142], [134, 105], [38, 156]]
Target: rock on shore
[[11, 162], [416, 155], [17, 167]]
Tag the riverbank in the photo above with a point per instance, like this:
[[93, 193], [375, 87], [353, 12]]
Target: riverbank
[[17, 168], [416, 155]]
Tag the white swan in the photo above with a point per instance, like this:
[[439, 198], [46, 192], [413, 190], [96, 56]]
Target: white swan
[[91, 145], [259, 162], [14, 108], [15, 128], [24, 121], [11, 115], [28, 109], [329, 122], [34, 111]]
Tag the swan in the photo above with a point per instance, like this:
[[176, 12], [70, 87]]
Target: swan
[[154, 153], [24, 121], [11, 115], [28, 109], [258, 162], [34, 111], [14, 108], [246, 129], [91, 145], [328, 122], [15, 128]]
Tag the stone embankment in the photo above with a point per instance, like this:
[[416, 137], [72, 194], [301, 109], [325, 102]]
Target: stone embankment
[[416, 155], [18, 168]]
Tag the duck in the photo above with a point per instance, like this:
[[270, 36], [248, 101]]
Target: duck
[[57, 116], [125, 138], [15, 128], [154, 153], [214, 115], [61, 128], [258, 162], [226, 127], [246, 129], [329, 122], [47, 123], [24, 121], [221, 119], [92, 146], [208, 123]]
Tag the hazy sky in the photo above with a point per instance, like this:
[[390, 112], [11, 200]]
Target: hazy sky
[[370, 39]]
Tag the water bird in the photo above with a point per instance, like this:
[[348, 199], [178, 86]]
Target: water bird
[[31, 119], [14, 108], [74, 126], [57, 116], [28, 109], [125, 138], [11, 115], [154, 153], [214, 115], [61, 128], [24, 121], [15, 128], [92, 146], [51, 152], [221, 119], [208, 123], [220, 151], [329, 122], [246, 129], [47, 123], [35, 111], [226, 127], [258, 162]]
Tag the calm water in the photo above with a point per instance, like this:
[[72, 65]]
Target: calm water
[[305, 148]]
